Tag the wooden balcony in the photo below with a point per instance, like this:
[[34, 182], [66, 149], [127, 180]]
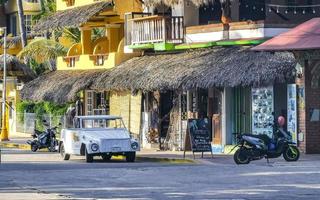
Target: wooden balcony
[[155, 29]]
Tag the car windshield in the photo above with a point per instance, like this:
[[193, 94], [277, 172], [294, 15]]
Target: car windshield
[[102, 123]]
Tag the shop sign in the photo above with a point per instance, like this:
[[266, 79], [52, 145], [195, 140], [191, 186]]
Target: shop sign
[[292, 111], [199, 136]]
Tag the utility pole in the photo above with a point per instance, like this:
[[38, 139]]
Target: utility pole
[[4, 130]]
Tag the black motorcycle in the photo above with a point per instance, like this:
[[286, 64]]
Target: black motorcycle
[[45, 139], [255, 147]]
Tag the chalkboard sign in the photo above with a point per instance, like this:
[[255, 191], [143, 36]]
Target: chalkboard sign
[[199, 135]]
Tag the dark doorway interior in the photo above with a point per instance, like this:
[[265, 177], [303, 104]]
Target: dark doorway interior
[[210, 14], [166, 104]]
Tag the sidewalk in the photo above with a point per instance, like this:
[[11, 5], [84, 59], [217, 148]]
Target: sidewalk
[[19, 143]]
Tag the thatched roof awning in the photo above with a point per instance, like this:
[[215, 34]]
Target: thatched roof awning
[[72, 17], [59, 86], [16, 68], [201, 68]]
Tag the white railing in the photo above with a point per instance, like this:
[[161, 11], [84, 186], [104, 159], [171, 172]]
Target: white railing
[[155, 29]]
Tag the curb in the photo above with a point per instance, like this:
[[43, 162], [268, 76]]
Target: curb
[[15, 145], [166, 160], [139, 157]]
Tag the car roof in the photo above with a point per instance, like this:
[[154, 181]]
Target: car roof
[[98, 117]]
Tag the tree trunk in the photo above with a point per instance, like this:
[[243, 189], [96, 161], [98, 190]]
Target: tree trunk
[[22, 26], [226, 17]]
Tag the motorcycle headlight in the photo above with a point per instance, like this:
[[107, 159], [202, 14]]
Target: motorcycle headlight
[[134, 145], [94, 147]]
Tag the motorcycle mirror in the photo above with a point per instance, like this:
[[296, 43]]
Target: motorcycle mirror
[[44, 121]]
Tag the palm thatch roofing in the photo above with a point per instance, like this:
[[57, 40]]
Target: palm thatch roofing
[[71, 18], [201, 68], [17, 68], [59, 86], [12, 41]]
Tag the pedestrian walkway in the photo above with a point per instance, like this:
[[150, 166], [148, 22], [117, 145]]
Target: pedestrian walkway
[[18, 142]]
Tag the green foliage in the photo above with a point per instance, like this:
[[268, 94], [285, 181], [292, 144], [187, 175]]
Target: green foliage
[[41, 110], [48, 7]]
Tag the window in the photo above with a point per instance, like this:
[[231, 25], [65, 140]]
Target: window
[[89, 102], [13, 24], [28, 23], [103, 123]]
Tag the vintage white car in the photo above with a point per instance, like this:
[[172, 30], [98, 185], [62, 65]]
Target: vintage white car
[[98, 135]]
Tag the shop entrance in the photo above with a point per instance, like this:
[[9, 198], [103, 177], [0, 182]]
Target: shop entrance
[[166, 103], [215, 111]]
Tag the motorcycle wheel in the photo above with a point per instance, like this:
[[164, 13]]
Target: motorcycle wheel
[[291, 154], [52, 147], [34, 147], [240, 157], [63, 153]]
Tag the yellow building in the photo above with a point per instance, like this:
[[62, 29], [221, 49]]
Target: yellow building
[[93, 55], [9, 19]]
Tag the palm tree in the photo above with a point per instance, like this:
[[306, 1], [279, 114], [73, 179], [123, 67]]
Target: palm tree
[[42, 50], [22, 26]]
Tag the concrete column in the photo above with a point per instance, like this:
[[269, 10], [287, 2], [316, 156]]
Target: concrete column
[[86, 40]]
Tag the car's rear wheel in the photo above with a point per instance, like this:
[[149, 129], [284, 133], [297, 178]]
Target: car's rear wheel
[[89, 157], [130, 156], [106, 157], [63, 153]]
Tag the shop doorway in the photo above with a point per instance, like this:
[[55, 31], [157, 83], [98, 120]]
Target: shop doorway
[[166, 104], [215, 111]]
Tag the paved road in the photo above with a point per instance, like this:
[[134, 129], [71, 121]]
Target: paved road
[[43, 176]]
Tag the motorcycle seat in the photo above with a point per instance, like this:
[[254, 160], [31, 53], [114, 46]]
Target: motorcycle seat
[[262, 137]]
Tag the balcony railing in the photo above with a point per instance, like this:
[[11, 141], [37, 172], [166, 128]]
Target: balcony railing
[[71, 60], [155, 29]]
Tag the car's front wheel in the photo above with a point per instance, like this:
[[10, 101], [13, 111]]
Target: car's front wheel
[[130, 156], [89, 157], [63, 153]]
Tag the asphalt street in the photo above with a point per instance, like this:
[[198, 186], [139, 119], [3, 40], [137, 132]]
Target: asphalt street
[[25, 175]]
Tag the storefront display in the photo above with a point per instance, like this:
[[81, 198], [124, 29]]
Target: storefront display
[[292, 111], [262, 111]]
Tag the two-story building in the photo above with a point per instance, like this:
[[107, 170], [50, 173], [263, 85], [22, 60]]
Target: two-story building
[[90, 57], [192, 66], [18, 73], [11, 21]]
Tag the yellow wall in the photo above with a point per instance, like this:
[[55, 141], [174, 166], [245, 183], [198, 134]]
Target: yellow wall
[[129, 108], [121, 6], [86, 62], [11, 7]]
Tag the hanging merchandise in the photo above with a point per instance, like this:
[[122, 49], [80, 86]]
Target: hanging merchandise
[[292, 126], [262, 111]]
